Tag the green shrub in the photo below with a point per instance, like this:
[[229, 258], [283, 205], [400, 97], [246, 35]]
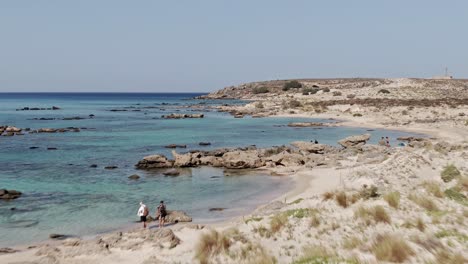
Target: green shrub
[[326, 90], [457, 196], [259, 105], [337, 93], [292, 85], [357, 114], [384, 91], [449, 173], [260, 90], [294, 103]]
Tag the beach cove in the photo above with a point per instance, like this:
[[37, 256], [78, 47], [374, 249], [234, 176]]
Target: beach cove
[[347, 167]]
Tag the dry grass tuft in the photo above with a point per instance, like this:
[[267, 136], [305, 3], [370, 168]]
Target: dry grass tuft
[[216, 246], [352, 243], [463, 183], [393, 199], [211, 244], [431, 244], [424, 202], [342, 199], [376, 213], [420, 225], [328, 195], [278, 222], [433, 188], [391, 248], [443, 256], [314, 221]]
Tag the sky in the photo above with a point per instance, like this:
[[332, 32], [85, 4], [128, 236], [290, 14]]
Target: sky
[[200, 46]]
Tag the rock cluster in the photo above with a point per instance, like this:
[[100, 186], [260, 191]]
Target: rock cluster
[[9, 194], [38, 108], [15, 131], [182, 116], [302, 153]]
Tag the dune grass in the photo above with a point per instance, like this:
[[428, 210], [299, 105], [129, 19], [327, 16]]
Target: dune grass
[[352, 243], [321, 255], [376, 213], [424, 202], [328, 195], [443, 256], [391, 248], [449, 173], [277, 222], [215, 246], [433, 188], [342, 199], [296, 201], [211, 244], [457, 196], [393, 199]]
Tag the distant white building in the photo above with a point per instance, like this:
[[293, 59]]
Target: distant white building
[[442, 77]]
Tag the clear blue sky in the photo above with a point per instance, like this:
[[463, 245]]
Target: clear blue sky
[[197, 45]]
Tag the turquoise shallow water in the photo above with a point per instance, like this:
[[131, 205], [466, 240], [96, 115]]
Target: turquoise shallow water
[[62, 194]]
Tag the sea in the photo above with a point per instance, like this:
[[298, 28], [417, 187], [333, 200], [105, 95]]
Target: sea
[[64, 194]]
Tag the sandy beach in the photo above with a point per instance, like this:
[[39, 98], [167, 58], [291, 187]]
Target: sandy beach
[[359, 203]]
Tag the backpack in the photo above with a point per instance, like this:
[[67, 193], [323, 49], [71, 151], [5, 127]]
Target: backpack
[[162, 209], [146, 211]]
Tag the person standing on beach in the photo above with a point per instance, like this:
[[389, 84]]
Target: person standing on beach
[[161, 212], [143, 213], [382, 142]]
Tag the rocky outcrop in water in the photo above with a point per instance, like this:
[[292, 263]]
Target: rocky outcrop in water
[[15, 131], [355, 141], [301, 153], [182, 116], [154, 162], [9, 194], [38, 108]]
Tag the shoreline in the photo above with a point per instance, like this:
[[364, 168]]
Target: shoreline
[[315, 221], [299, 179]]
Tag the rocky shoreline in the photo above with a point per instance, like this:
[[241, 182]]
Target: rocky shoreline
[[357, 203]]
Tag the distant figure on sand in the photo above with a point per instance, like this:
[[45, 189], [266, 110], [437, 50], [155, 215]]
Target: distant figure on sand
[[382, 142], [143, 213], [161, 212], [387, 141]]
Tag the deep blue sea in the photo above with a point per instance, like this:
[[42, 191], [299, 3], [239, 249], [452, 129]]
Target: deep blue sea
[[63, 194]]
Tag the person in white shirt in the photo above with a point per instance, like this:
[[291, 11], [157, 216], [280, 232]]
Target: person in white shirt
[[143, 213]]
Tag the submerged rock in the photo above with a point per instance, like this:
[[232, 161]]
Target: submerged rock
[[134, 177], [182, 116], [305, 124], [9, 194], [57, 236], [172, 172], [154, 162], [175, 146]]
